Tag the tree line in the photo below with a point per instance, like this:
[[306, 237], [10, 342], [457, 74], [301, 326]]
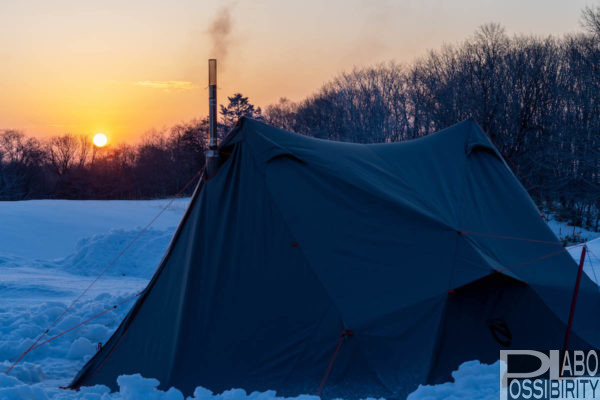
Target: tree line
[[538, 98]]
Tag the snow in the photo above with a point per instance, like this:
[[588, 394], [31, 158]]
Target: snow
[[591, 265], [562, 229], [592, 259], [51, 228], [472, 380], [50, 250]]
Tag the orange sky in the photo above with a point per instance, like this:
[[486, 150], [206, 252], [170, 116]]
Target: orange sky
[[123, 68]]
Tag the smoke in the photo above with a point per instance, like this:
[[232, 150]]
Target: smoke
[[220, 33]]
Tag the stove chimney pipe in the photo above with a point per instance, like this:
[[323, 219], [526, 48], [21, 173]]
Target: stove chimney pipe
[[212, 155]]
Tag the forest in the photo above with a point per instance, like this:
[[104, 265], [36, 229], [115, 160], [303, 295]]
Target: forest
[[538, 99]]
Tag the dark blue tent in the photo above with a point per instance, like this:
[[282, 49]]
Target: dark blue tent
[[378, 267]]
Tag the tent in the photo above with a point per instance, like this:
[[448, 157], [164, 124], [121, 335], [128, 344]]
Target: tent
[[362, 270]]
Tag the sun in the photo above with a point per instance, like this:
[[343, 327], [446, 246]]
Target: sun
[[100, 139]]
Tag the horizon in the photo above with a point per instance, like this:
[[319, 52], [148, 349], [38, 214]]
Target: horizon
[[125, 70]]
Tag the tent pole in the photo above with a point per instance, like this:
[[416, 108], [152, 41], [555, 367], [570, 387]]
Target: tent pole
[[212, 155], [574, 301]]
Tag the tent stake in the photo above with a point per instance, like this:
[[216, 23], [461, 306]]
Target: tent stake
[[574, 301]]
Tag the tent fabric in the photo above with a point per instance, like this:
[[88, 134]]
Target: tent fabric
[[295, 239]]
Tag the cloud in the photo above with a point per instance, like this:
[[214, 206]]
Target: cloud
[[166, 85]]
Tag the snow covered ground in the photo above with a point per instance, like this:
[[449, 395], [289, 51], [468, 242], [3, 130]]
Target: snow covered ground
[[562, 230], [50, 250], [51, 229]]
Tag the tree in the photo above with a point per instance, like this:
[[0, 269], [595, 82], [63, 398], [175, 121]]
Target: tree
[[238, 107], [188, 143], [590, 19], [21, 162], [68, 151], [282, 114], [62, 152]]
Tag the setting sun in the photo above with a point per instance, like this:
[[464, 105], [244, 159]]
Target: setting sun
[[100, 139]]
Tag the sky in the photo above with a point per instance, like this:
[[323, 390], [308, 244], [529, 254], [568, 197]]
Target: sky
[[126, 67]]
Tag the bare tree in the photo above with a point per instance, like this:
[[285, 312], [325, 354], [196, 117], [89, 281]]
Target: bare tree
[[85, 150], [63, 152], [20, 165], [281, 114], [590, 19]]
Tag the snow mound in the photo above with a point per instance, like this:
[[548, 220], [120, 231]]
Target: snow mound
[[81, 348], [93, 254], [136, 387], [20, 327], [472, 380]]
